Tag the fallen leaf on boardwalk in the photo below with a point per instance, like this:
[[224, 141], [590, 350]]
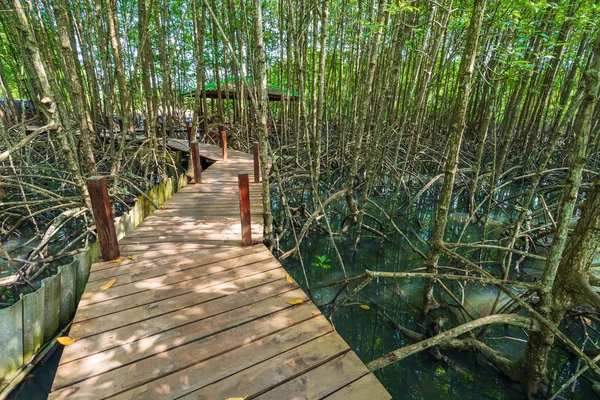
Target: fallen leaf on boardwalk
[[587, 320], [116, 260], [294, 302], [365, 307], [289, 278], [130, 257], [237, 398], [108, 284], [65, 340]]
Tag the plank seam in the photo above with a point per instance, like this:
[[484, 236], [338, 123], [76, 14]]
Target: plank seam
[[142, 382], [182, 281]]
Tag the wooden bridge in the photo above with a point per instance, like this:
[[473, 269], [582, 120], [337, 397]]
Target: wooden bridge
[[194, 314]]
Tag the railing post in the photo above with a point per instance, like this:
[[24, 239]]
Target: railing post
[[189, 134], [105, 225], [256, 163], [245, 209], [223, 142], [195, 155]]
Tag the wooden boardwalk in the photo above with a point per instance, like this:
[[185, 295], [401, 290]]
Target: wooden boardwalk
[[193, 314]]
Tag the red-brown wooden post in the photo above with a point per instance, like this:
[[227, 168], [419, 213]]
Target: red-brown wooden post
[[105, 225], [189, 134], [245, 209], [223, 142], [195, 155], [121, 125], [256, 163]]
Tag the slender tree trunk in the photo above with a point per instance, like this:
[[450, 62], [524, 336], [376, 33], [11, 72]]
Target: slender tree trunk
[[125, 102], [75, 86], [262, 110], [560, 292], [456, 129]]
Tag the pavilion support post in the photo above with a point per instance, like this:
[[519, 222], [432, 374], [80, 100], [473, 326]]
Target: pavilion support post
[[105, 225], [223, 142], [195, 155], [245, 209], [255, 152]]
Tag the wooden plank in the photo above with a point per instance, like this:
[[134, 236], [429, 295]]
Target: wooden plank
[[134, 315], [124, 300], [174, 248], [321, 381], [180, 239], [207, 201], [202, 206], [178, 217], [217, 187], [213, 315], [171, 251], [367, 387], [174, 263], [191, 222], [171, 353], [197, 202], [197, 269], [227, 364], [226, 191], [209, 191], [190, 219], [272, 372], [153, 255], [190, 232], [185, 208], [214, 211], [206, 223]]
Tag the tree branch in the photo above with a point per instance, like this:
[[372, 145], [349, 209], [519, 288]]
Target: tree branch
[[403, 352]]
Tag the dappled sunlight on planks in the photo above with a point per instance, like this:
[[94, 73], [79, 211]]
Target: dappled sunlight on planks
[[193, 313], [188, 345]]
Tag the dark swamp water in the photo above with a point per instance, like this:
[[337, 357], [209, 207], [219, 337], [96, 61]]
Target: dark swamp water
[[367, 330]]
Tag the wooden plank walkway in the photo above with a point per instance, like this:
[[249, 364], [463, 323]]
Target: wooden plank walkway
[[193, 314]]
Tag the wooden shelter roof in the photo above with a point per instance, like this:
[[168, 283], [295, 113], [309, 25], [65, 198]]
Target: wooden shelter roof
[[229, 90]]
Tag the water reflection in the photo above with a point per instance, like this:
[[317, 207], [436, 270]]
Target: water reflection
[[367, 331]]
